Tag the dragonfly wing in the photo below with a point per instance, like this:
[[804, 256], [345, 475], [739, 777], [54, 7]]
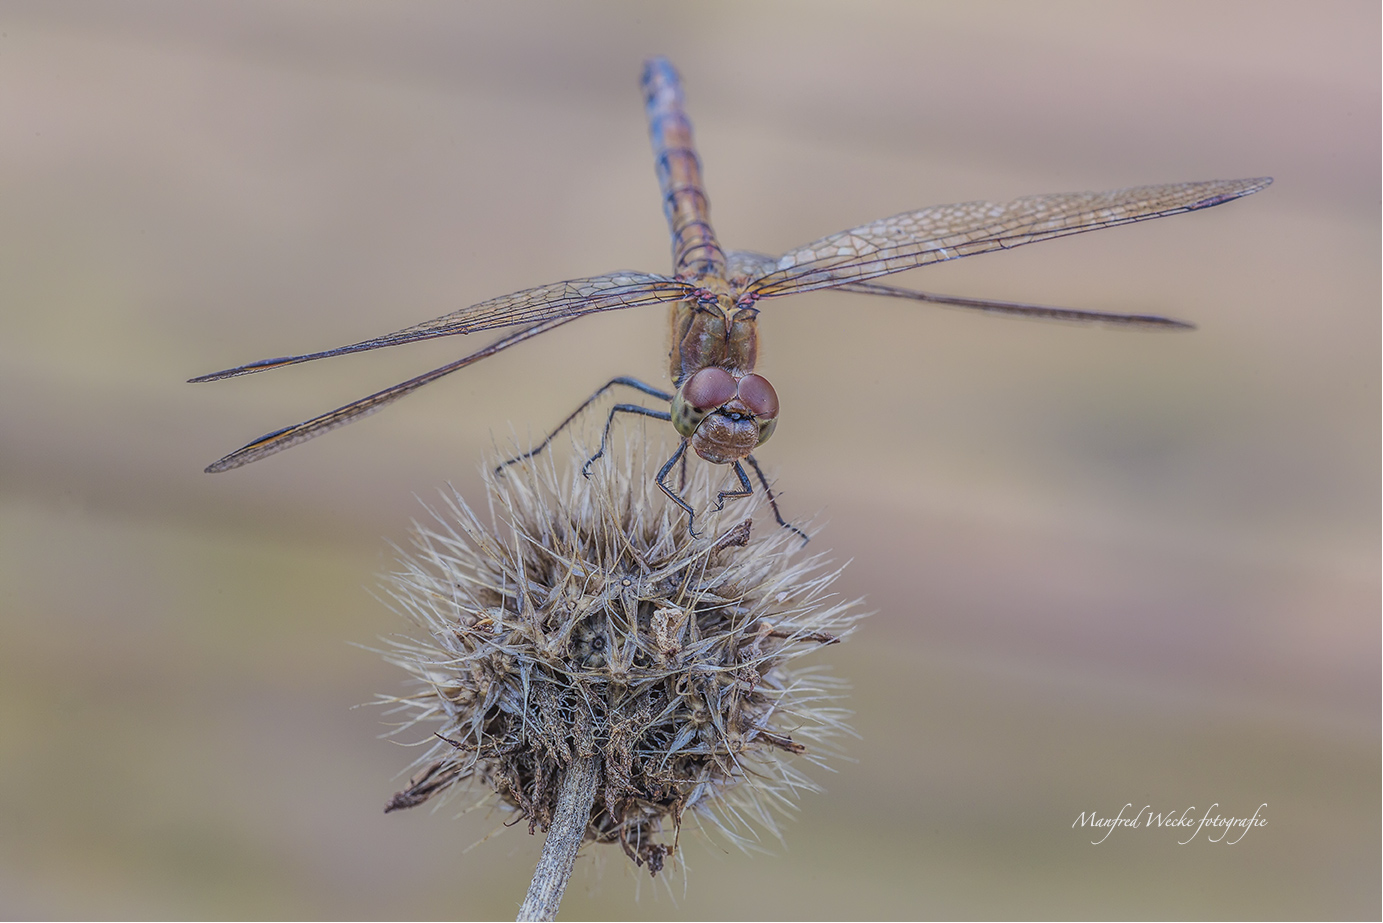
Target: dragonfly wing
[[1017, 308], [569, 299], [945, 232], [286, 438], [744, 266]]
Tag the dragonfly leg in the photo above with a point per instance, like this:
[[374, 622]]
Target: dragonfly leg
[[772, 500], [610, 421], [661, 481], [622, 380], [746, 489]]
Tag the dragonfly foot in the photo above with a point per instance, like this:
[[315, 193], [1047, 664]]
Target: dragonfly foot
[[773, 501]]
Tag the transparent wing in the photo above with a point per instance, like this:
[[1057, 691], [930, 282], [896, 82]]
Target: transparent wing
[[945, 232], [743, 266], [1018, 308], [568, 300], [290, 436]]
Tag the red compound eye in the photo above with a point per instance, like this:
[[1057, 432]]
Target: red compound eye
[[758, 395], [709, 388]]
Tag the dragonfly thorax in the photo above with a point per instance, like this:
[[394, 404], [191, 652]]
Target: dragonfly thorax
[[725, 417], [713, 329]]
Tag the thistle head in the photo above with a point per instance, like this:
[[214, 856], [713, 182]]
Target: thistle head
[[579, 617]]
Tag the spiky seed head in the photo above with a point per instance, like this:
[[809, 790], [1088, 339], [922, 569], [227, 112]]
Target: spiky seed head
[[581, 617]]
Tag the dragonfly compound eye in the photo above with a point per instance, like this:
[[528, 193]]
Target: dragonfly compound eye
[[703, 392], [766, 428], [758, 395], [709, 388]]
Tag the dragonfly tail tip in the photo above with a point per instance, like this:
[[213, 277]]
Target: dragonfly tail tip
[[222, 464]]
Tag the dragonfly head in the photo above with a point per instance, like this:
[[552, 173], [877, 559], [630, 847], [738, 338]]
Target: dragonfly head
[[725, 418]]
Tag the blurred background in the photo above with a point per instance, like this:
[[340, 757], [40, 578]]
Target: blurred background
[[1108, 566]]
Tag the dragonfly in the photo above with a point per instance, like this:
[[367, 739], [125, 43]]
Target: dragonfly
[[720, 407]]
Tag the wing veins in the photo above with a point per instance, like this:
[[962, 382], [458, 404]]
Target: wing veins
[[569, 299], [1018, 308], [286, 438], [948, 232]]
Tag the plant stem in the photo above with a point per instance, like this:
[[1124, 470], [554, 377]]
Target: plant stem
[[564, 837]]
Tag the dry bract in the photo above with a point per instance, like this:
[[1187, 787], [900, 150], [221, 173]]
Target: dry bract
[[580, 618]]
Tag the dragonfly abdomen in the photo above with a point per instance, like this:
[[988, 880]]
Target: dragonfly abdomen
[[695, 251]]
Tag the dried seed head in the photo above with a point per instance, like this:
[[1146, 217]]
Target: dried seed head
[[583, 619]]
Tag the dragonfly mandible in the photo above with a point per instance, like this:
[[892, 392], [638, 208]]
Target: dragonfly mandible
[[720, 406]]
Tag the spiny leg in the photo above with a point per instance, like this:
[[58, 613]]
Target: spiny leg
[[622, 380], [661, 481], [747, 489], [605, 435], [772, 500]]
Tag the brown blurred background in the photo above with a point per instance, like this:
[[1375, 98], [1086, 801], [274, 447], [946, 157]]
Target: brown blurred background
[[1108, 566]]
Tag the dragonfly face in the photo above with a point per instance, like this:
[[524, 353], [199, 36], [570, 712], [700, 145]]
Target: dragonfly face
[[725, 418]]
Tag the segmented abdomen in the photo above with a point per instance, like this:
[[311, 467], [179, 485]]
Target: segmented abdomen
[[695, 251]]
